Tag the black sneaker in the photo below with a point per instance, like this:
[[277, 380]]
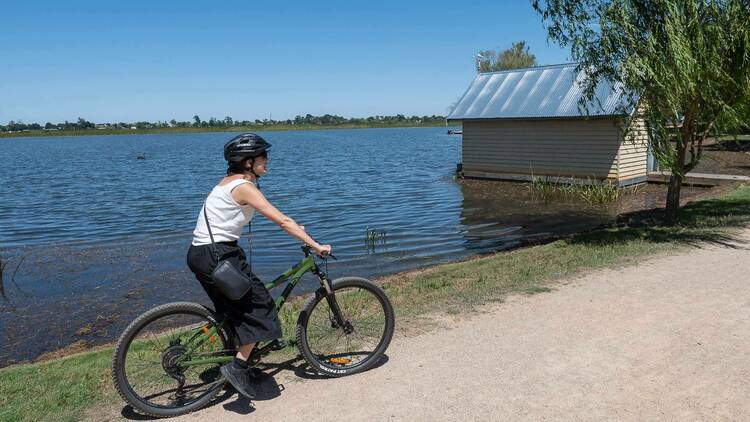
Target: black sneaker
[[238, 377]]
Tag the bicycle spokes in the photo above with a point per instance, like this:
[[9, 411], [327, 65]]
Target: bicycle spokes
[[356, 337], [163, 364]]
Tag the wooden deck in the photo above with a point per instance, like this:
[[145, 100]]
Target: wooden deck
[[698, 179]]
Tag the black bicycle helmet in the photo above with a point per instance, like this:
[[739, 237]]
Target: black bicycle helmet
[[245, 145]]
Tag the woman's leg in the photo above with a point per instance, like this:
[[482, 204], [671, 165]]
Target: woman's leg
[[221, 305], [201, 261]]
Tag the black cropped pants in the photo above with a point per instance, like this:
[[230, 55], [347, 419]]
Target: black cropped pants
[[253, 316]]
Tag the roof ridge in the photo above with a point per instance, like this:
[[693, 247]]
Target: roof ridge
[[550, 91], [523, 69]]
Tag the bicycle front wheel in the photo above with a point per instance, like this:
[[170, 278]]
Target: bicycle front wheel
[[356, 345], [167, 360]]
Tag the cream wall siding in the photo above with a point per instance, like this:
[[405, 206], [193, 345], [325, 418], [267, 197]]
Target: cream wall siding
[[633, 153], [578, 148]]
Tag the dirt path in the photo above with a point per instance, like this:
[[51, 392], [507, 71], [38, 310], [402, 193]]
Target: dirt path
[[668, 340]]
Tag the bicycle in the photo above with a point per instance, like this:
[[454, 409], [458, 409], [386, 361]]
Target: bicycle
[[166, 362]]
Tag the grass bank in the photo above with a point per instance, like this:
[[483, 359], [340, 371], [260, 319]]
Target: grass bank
[[741, 138], [252, 128], [64, 389]]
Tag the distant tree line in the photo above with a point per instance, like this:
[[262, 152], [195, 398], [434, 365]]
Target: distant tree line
[[197, 122], [18, 126]]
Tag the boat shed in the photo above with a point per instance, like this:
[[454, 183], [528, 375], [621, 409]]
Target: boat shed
[[525, 123]]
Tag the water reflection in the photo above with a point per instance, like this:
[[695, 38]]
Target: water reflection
[[499, 215]]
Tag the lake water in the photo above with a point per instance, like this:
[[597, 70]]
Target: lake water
[[101, 236]]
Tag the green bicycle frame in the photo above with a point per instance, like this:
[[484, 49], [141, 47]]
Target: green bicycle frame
[[292, 275]]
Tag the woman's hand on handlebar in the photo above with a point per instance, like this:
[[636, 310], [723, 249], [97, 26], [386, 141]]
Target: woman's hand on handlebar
[[322, 250]]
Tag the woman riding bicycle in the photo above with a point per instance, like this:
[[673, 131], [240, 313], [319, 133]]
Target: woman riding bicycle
[[229, 207]]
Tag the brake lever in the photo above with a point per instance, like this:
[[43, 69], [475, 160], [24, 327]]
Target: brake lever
[[327, 255]]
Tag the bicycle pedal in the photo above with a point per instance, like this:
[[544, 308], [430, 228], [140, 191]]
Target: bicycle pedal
[[278, 345]]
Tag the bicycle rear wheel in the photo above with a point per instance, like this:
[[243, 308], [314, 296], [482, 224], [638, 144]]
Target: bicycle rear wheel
[[152, 366], [369, 322]]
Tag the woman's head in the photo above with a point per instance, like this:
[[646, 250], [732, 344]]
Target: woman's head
[[247, 153]]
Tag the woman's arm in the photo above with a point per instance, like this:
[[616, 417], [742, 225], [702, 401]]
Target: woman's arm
[[248, 194]]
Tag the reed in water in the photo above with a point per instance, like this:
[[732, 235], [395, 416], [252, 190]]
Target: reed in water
[[590, 191]]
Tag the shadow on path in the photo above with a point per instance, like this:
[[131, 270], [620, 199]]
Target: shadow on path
[[701, 222], [304, 371], [733, 145], [266, 387]]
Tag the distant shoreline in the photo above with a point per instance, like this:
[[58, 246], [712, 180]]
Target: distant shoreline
[[259, 128]]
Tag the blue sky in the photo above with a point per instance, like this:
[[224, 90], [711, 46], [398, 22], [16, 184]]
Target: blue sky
[[158, 60]]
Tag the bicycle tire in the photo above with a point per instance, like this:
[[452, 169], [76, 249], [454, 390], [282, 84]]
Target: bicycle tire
[[339, 285], [119, 358]]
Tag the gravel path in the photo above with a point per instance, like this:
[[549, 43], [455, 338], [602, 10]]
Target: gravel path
[[667, 340]]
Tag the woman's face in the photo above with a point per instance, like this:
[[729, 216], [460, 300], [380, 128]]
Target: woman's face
[[260, 165]]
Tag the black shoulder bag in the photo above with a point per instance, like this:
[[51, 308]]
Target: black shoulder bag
[[232, 282]]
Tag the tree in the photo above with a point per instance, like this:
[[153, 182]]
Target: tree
[[686, 62], [197, 121], [84, 124], [486, 60], [516, 57], [744, 112]]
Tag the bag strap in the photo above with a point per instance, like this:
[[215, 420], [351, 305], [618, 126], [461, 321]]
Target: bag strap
[[210, 233]]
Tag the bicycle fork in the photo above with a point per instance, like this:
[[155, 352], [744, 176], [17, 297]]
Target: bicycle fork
[[338, 320]]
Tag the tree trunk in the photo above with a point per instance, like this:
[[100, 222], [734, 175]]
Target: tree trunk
[[673, 199], [679, 170]]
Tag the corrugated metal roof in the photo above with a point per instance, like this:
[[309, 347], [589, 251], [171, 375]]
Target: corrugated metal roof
[[538, 92]]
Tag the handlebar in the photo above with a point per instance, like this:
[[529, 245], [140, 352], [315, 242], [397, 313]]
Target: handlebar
[[307, 250]]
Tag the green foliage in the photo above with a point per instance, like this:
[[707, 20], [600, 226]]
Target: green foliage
[[56, 390], [592, 191], [743, 113], [686, 61], [515, 57]]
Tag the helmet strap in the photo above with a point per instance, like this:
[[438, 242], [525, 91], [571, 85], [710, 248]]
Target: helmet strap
[[252, 170]]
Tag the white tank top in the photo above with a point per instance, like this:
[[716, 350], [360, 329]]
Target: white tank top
[[226, 216]]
